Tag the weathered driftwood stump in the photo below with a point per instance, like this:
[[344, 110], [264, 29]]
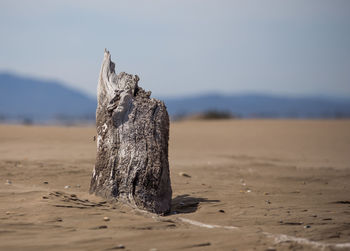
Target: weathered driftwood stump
[[132, 143]]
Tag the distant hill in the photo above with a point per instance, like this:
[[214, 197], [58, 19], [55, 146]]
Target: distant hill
[[261, 106], [30, 99]]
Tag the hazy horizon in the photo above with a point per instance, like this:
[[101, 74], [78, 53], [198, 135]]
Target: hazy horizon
[[290, 48], [186, 95]]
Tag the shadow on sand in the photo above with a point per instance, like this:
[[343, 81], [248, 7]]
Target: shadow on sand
[[184, 204]]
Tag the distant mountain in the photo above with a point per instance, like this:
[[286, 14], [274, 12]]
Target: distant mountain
[[24, 99], [261, 106], [30, 99]]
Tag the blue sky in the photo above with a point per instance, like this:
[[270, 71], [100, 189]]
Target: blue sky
[[183, 47]]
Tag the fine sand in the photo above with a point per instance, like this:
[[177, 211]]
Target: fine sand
[[237, 185]]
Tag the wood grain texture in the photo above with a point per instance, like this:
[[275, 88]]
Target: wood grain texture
[[132, 143]]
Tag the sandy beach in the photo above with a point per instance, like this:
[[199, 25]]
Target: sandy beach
[[237, 185]]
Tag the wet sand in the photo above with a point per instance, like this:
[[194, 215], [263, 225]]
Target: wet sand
[[252, 185]]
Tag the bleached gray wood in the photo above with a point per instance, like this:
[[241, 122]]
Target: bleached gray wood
[[132, 143]]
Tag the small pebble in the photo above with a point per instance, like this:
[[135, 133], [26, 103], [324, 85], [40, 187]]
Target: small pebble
[[59, 219], [18, 164], [120, 246], [201, 244], [45, 182], [8, 212], [290, 223], [266, 193], [102, 227], [105, 218], [242, 182], [66, 187], [307, 226], [268, 202], [73, 195], [222, 211], [184, 175], [45, 197], [248, 191], [77, 185], [8, 182]]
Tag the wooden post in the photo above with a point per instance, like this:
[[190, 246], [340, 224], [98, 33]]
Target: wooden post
[[132, 143]]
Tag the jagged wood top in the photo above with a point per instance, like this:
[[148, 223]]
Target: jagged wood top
[[132, 143]]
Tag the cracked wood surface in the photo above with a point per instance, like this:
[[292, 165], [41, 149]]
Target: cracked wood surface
[[132, 143]]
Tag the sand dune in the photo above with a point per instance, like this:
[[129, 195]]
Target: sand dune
[[237, 185]]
